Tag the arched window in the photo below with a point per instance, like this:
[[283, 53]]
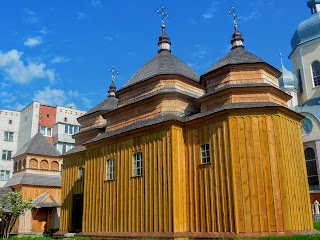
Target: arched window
[[110, 169], [15, 169], [316, 72], [312, 168], [24, 164], [33, 164], [55, 166], [44, 165], [137, 164], [299, 81], [205, 153], [19, 166]]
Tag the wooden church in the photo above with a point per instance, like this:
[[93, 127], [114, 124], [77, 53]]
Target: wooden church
[[176, 155]]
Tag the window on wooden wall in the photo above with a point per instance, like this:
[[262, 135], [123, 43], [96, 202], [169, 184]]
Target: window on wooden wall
[[205, 153], [316, 73], [80, 173], [110, 169], [312, 169], [137, 164]]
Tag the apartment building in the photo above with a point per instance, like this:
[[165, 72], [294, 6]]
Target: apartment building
[[57, 124]]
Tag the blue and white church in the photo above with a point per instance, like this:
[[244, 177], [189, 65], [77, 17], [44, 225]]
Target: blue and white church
[[304, 87]]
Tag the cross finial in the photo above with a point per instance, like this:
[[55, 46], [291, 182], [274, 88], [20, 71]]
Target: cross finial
[[113, 72], [281, 58], [235, 17], [163, 14]]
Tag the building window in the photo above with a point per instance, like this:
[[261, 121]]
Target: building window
[[25, 119], [66, 119], [312, 169], [70, 129], [46, 131], [10, 122], [6, 155], [299, 81], [80, 172], [48, 116], [205, 154], [4, 175], [110, 169], [316, 73], [137, 164], [8, 136]]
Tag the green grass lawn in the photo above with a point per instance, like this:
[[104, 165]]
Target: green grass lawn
[[315, 224]]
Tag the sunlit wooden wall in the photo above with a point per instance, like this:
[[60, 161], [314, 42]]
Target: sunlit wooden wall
[[256, 180]]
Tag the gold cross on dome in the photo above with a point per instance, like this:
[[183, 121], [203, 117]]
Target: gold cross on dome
[[163, 14], [235, 17], [113, 72]]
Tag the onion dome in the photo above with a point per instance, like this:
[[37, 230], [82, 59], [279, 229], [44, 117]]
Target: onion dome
[[237, 40], [164, 41], [112, 90], [310, 29], [288, 81]]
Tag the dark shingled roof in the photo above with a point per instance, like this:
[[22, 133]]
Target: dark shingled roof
[[172, 117], [164, 63], [108, 104], [35, 179], [39, 145], [40, 202], [236, 56]]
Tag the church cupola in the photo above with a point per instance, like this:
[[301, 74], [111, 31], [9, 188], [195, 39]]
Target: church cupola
[[314, 5], [112, 88], [164, 40], [237, 40]]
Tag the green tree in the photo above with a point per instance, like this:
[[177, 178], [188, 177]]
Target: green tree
[[12, 206]]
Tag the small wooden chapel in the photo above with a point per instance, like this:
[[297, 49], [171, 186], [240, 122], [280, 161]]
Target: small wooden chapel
[[173, 154]]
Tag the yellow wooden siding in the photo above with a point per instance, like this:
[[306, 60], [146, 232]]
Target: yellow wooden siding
[[70, 187], [209, 186], [270, 181], [128, 203]]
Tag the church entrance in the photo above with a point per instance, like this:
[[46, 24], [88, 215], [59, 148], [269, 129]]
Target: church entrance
[[77, 212]]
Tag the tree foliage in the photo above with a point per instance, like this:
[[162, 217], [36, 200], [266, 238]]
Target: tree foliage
[[12, 206]]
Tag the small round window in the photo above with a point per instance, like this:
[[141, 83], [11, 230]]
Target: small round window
[[306, 126]]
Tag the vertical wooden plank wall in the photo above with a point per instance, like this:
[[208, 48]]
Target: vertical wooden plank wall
[[270, 180], [128, 203], [71, 186], [209, 186]]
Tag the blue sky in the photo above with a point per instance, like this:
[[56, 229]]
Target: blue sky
[[57, 52]]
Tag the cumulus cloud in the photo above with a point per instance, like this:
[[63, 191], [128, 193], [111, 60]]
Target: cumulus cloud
[[54, 97], [7, 97], [30, 17], [211, 10], [81, 15], [96, 3], [33, 41], [16, 70], [59, 59]]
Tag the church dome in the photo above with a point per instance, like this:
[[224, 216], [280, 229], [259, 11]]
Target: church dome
[[288, 80], [164, 63], [310, 29]]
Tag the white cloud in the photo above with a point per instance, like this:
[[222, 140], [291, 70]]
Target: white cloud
[[33, 41], [30, 17], [199, 51], [55, 97], [81, 15], [251, 16], [108, 38], [44, 31], [15, 70], [4, 85], [7, 97], [96, 3], [211, 10], [59, 59]]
